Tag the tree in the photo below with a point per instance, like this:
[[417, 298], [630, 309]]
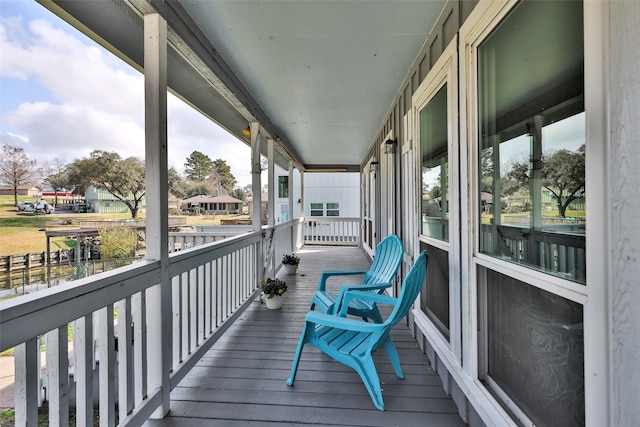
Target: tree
[[57, 176], [563, 174], [198, 166], [16, 169], [239, 194], [123, 179], [222, 173], [197, 188], [118, 243], [177, 185]]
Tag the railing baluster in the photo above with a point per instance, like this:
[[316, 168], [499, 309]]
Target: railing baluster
[[26, 385], [83, 371], [125, 358], [58, 376], [106, 365]]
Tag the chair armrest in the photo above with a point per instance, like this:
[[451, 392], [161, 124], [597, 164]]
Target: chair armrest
[[326, 274], [383, 299], [318, 318], [347, 288]]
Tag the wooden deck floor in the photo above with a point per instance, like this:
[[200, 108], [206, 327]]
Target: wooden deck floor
[[241, 380]]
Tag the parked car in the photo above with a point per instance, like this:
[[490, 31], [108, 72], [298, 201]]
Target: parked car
[[25, 206], [41, 206]]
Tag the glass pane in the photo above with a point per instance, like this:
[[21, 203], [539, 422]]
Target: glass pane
[[333, 206], [434, 298], [333, 213], [532, 139], [317, 206], [536, 350], [435, 181], [316, 213], [283, 186]]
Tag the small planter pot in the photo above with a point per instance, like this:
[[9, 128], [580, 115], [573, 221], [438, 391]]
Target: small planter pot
[[273, 303], [290, 268]]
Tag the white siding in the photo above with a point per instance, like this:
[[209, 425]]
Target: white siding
[[624, 129]]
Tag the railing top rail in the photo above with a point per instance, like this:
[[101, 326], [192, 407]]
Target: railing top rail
[[31, 315]]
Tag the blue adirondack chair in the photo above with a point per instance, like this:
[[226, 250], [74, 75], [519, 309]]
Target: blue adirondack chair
[[385, 264], [353, 342]]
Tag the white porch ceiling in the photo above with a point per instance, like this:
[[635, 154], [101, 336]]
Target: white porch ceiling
[[318, 75]]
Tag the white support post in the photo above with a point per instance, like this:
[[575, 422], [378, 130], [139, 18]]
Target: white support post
[[294, 230], [536, 173], [256, 185], [158, 297], [271, 217], [302, 213]]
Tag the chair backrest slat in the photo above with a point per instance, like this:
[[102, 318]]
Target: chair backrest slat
[[386, 261], [410, 288]]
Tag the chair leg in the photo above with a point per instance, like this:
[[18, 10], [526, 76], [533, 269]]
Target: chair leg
[[367, 371], [296, 359], [392, 353]]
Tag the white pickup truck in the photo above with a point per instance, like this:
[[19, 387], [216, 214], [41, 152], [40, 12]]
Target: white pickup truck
[[41, 206]]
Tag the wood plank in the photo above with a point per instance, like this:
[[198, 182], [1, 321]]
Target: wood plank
[[242, 379]]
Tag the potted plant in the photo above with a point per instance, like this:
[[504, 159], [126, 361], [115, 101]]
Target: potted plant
[[273, 292], [290, 263]]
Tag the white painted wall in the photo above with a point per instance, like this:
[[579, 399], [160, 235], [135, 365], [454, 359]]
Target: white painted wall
[[333, 187]]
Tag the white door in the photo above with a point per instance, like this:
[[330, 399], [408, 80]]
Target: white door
[[369, 237]]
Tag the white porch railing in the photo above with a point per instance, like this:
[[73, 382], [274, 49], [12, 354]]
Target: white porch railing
[[110, 314], [331, 231]]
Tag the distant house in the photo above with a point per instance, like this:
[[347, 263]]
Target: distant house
[[325, 195], [23, 190], [100, 200], [214, 204]]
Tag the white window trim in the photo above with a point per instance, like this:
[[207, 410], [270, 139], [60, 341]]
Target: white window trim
[[444, 72], [593, 296]]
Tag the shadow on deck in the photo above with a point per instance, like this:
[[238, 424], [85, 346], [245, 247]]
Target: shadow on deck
[[241, 380]]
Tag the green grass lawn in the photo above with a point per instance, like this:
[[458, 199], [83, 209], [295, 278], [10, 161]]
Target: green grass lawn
[[22, 233]]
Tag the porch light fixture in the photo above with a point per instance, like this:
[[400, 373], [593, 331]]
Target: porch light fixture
[[246, 131], [373, 166], [390, 146]]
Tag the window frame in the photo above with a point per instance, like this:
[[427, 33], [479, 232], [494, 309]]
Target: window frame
[[444, 72], [483, 20]]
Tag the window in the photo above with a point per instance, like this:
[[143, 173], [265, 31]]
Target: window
[[283, 187], [536, 338], [532, 139], [317, 209], [531, 211], [434, 297], [435, 181]]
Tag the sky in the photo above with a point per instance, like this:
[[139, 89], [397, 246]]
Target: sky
[[63, 96]]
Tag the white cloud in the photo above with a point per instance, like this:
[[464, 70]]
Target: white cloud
[[98, 102]]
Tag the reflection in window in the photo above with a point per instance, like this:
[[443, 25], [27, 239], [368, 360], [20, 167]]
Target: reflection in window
[[283, 186], [532, 136], [435, 182]]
